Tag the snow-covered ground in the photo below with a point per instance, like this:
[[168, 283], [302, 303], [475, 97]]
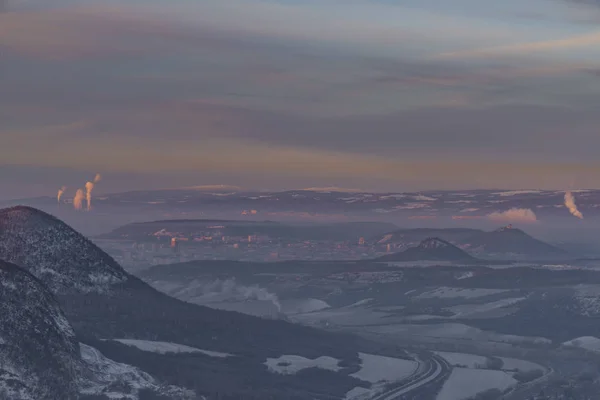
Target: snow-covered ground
[[589, 343], [102, 373], [463, 359], [167, 347], [291, 364], [376, 368], [450, 292], [360, 393], [464, 383]]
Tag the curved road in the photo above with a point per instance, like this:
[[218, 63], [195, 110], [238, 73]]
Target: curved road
[[437, 371]]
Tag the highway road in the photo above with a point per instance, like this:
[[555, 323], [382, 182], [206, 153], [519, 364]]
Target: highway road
[[437, 370]]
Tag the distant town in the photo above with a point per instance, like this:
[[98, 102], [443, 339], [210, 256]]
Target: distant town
[[166, 247]]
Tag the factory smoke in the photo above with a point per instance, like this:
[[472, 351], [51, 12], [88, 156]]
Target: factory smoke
[[89, 186], [570, 204], [78, 199], [61, 191], [229, 289]]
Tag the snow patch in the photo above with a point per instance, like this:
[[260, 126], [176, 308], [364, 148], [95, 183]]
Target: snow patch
[[464, 383], [168, 347], [376, 368], [304, 306], [450, 292], [360, 393], [589, 343], [291, 364], [517, 192]]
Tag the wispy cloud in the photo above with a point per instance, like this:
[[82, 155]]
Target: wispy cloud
[[587, 40]]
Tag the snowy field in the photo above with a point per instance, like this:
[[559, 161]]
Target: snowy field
[[167, 347], [463, 359], [290, 364], [465, 383], [450, 293], [376, 368]]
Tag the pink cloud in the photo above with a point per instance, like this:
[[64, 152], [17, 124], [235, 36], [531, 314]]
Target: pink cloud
[[523, 215]]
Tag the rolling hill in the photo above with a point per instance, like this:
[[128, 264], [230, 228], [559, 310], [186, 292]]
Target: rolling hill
[[431, 249]]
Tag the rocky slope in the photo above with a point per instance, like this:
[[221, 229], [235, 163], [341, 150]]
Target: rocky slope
[[55, 253], [39, 355]]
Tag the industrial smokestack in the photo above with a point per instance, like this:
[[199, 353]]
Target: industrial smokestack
[[570, 204], [78, 199], [61, 191]]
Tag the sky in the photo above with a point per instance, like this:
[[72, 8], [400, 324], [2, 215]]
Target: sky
[[382, 95]]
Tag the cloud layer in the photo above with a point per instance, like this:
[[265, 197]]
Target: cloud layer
[[288, 94]]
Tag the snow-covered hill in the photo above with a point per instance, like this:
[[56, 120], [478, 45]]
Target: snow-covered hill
[[39, 356], [62, 258]]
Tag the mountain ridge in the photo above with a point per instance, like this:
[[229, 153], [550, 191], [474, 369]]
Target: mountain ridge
[[40, 241], [430, 249]]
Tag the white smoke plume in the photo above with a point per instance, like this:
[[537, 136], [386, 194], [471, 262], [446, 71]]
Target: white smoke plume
[[89, 186], [78, 199], [61, 191], [570, 204], [221, 290], [514, 215]]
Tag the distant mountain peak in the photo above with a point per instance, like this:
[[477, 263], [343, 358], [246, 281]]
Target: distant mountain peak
[[509, 229], [60, 257], [430, 249]]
